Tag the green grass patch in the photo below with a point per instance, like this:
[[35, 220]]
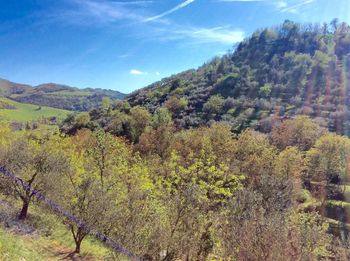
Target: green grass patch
[[338, 203], [51, 240], [311, 205], [346, 192], [338, 228], [15, 247], [71, 93], [57, 246], [23, 112], [60, 236], [337, 223], [336, 209]]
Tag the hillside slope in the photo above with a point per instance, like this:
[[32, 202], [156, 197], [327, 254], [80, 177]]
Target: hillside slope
[[13, 111], [57, 96], [276, 73], [41, 237]]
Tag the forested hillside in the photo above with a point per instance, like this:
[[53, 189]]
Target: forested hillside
[[57, 96], [199, 194], [276, 73]]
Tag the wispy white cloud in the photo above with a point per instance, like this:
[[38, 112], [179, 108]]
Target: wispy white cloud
[[223, 35], [172, 10], [295, 6], [284, 6], [240, 0], [157, 73], [118, 13], [101, 12], [134, 2], [195, 35], [137, 72], [281, 4], [125, 55], [105, 13], [290, 6], [220, 53]]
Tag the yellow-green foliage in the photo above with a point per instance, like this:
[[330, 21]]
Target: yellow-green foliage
[[311, 229], [186, 194], [328, 159], [289, 163]]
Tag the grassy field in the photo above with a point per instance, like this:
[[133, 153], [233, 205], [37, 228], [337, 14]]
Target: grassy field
[[41, 237], [15, 246], [75, 93], [21, 112]]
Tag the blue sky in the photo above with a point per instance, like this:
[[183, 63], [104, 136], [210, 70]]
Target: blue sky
[[125, 45]]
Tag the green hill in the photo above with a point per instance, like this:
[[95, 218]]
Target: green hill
[[276, 73], [13, 111], [56, 95]]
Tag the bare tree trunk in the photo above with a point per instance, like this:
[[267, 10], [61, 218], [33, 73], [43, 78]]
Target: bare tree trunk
[[78, 238], [24, 212], [26, 198], [77, 246]]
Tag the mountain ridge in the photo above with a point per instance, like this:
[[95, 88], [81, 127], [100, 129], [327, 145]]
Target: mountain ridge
[[57, 95]]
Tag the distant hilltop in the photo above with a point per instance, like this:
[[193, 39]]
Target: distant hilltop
[[57, 95], [292, 69]]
